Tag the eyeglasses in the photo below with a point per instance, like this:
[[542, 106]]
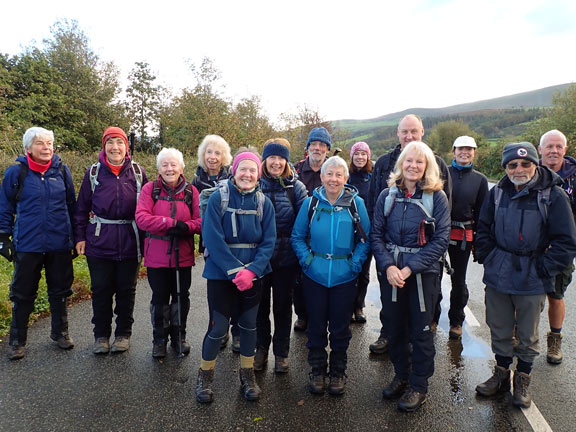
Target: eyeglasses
[[513, 165]]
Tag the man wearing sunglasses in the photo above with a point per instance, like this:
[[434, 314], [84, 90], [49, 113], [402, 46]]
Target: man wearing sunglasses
[[552, 148], [526, 236]]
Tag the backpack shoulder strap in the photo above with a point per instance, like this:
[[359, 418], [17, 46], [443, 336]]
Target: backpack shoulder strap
[[544, 202], [224, 195], [359, 229], [94, 169], [497, 199], [312, 204], [21, 177], [155, 190], [260, 205], [188, 197], [139, 178], [428, 203], [390, 199]]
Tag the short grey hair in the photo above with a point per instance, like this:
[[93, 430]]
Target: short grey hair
[[169, 152], [34, 132], [335, 162], [553, 132], [221, 144]]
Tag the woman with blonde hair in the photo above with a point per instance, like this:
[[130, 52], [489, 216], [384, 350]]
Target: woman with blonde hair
[[410, 234]]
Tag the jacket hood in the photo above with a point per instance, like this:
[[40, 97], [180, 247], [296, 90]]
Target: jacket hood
[[348, 194], [568, 168]]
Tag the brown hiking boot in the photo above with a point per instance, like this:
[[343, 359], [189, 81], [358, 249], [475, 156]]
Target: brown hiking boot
[[101, 346], [455, 332], [121, 344], [380, 346], [204, 392], [64, 341], [554, 353], [248, 385], [281, 364], [260, 359], [497, 383], [521, 397], [16, 352]]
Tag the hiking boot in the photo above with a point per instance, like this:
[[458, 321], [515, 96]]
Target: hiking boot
[[260, 359], [554, 353], [159, 349], [300, 325], [380, 346], [316, 382], [120, 345], [497, 383], [16, 352], [236, 344], [281, 364], [248, 385], [337, 385], [64, 341], [395, 389], [101, 346], [204, 392], [176, 346], [411, 400], [455, 332], [224, 341], [521, 397], [359, 316]]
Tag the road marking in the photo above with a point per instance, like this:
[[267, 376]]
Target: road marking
[[536, 419]]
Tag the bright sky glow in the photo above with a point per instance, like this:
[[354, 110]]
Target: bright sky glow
[[347, 59]]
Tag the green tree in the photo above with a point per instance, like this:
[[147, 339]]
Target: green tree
[[443, 134], [561, 116], [144, 100]]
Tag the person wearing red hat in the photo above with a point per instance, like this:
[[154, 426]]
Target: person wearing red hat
[[107, 234]]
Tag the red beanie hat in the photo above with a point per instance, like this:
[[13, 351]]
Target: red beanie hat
[[115, 132]]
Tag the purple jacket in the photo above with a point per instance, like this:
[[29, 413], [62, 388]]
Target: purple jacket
[[114, 198]]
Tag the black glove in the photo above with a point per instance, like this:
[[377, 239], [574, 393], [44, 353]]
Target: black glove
[[180, 229], [6, 247]]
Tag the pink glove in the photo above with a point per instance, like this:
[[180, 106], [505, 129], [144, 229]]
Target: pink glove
[[243, 279]]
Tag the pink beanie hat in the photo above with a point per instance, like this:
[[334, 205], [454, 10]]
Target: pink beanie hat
[[243, 156], [360, 146]]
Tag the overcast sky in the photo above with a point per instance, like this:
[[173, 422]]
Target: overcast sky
[[347, 59]]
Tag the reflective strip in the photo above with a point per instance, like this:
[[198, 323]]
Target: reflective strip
[[242, 245], [420, 292], [237, 269], [234, 213]]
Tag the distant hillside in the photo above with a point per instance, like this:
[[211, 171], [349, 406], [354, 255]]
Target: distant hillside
[[533, 99]]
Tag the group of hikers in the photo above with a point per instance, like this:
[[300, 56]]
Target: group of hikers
[[273, 235]]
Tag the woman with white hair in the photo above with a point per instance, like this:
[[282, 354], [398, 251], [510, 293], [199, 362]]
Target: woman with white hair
[[330, 241], [410, 233], [168, 210], [37, 203]]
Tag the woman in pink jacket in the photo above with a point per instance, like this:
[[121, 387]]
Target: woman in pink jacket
[[168, 210]]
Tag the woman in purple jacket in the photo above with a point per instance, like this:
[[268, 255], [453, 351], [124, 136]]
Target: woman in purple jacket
[[107, 234]]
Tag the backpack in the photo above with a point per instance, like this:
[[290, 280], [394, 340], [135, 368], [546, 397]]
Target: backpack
[[188, 195], [352, 209], [426, 203], [543, 201], [95, 168], [223, 187], [22, 176]]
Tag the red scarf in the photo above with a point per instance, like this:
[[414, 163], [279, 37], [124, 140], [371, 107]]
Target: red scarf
[[114, 168], [38, 167]]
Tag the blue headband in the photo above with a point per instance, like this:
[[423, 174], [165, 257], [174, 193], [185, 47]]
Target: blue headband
[[274, 149]]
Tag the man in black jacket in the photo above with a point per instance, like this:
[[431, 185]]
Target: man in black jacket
[[410, 129]]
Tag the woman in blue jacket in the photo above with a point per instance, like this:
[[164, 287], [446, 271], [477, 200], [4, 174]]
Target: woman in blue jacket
[[360, 175], [287, 194], [410, 233], [107, 234], [331, 248], [239, 233], [37, 204]]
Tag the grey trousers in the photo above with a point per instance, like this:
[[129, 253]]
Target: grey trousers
[[503, 312]]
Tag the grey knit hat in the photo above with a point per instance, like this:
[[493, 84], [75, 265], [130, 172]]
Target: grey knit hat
[[521, 150]]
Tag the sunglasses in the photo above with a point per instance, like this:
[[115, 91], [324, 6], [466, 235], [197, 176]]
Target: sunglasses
[[513, 165]]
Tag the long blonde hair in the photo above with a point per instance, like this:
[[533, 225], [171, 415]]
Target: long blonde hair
[[431, 181]]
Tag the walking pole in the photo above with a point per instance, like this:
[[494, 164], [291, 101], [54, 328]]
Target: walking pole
[[177, 267]]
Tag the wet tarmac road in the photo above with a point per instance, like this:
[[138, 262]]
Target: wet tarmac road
[[53, 390]]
